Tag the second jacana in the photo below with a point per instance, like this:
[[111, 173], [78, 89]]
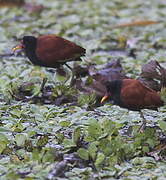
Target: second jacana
[[132, 95]]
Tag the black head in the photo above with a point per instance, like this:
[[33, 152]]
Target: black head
[[29, 41], [114, 87], [113, 93]]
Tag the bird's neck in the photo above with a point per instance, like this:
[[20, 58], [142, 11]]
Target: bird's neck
[[116, 87], [30, 52], [31, 55]]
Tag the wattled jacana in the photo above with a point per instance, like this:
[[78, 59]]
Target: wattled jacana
[[132, 95], [50, 50]]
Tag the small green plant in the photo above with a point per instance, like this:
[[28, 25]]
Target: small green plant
[[62, 89], [86, 99]]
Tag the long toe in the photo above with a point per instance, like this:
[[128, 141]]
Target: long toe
[[142, 127]]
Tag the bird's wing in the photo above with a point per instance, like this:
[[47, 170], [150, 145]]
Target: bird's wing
[[53, 49], [139, 96]]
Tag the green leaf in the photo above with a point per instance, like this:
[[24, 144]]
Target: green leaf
[[16, 113], [36, 155], [92, 150], [12, 175], [113, 159], [43, 140], [68, 143], [4, 129], [64, 123], [18, 127], [3, 142], [94, 130], [3, 137], [83, 153], [143, 160], [3, 145], [20, 139], [145, 149], [99, 160], [87, 99], [76, 134], [109, 126], [162, 125], [48, 156]]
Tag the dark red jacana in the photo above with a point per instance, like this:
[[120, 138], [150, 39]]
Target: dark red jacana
[[132, 95], [50, 50]]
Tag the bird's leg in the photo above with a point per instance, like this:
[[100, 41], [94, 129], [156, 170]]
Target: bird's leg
[[143, 125], [43, 84], [127, 112], [73, 74]]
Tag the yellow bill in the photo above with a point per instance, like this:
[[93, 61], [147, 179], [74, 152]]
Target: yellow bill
[[17, 47], [104, 98]]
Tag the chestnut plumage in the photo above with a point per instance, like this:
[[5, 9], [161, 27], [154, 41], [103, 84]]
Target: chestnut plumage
[[50, 50], [133, 95]]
